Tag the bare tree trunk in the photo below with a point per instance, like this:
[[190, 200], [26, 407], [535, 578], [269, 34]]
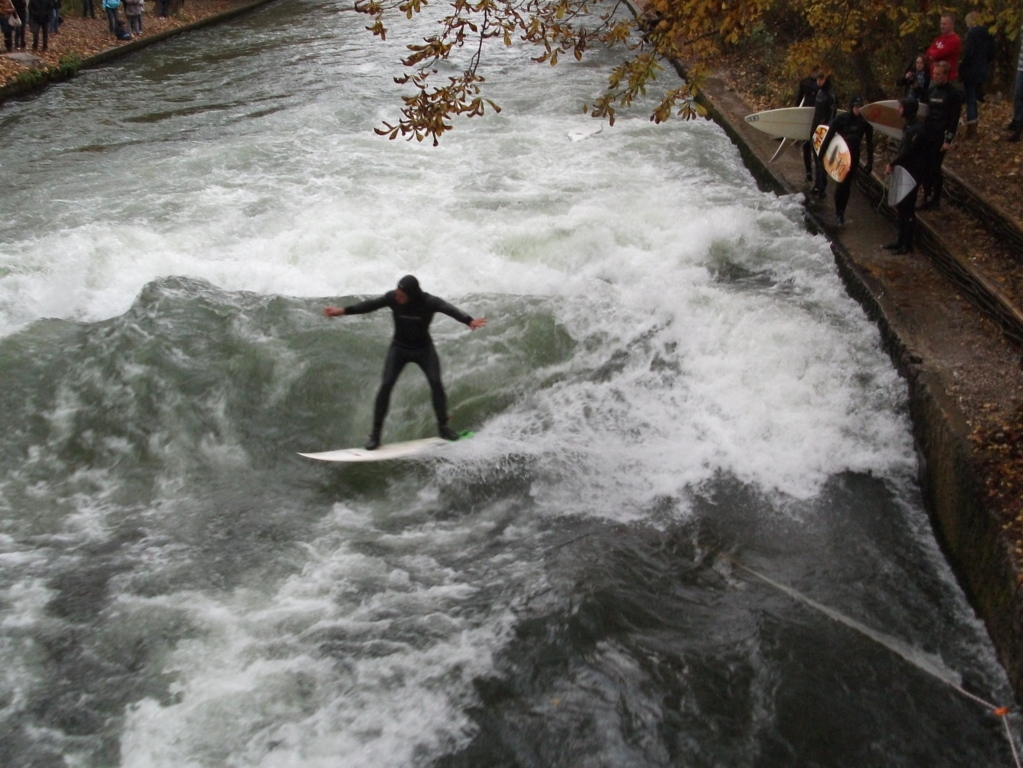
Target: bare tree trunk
[[870, 88]]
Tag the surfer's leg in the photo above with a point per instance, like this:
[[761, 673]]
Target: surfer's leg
[[430, 363], [393, 366], [842, 195], [907, 222]]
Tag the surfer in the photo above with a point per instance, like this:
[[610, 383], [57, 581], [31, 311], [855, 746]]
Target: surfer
[[911, 157], [852, 127], [805, 96], [413, 310], [944, 105], [823, 114]]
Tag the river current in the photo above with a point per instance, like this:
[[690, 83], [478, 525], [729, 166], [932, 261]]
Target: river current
[[687, 531]]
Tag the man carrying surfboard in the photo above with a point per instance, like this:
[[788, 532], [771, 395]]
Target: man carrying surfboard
[[852, 127], [412, 310], [910, 157], [823, 114]]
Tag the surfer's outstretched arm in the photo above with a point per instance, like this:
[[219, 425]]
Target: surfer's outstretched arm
[[360, 308]]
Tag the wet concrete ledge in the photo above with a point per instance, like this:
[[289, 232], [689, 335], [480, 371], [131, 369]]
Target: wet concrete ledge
[[51, 75], [971, 534]]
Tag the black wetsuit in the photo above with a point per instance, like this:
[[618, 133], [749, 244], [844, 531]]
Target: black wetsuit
[[912, 156], [944, 105], [852, 128], [806, 96], [411, 344], [824, 113]]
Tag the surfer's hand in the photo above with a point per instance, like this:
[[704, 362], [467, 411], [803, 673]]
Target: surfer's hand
[[333, 311], [888, 170], [479, 322]]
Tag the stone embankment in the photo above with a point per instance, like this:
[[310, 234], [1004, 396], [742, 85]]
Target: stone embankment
[[953, 336]]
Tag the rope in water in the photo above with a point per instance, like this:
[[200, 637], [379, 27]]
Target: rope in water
[[890, 643]]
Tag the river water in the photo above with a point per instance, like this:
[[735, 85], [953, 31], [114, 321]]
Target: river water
[[674, 401]]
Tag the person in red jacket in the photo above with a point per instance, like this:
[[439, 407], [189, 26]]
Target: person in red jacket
[[947, 46]]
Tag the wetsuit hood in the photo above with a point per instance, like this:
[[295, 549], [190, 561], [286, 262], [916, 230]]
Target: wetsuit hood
[[910, 106], [410, 285]]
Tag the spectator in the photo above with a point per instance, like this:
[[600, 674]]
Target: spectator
[[133, 10], [1016, 126], [164, 6], [805, 97], [946, 46], [911, 157], [111, 6], [39, 14], [20, 8], [944, 105], [978, 52], [917, 79], [852, 127], [6, 9], [88, 9], [823, 114]]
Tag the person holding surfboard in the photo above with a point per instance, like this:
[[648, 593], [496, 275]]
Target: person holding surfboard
[[806, 95], [823, 114], [852, 127], [911, 157], [412, 310]]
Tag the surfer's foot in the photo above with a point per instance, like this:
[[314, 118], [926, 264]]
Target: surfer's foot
[[841, 219], [373, 443], [447, 432]]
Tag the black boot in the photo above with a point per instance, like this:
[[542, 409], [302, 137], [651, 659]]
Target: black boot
[[447, 432], [374, 440], [907, 238]]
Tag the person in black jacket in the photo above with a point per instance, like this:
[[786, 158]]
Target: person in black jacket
[[40, 13], [823, 114], [944, 105], [917, 79], [806, 96], [978, 53], [852, 127], [412, 310], [912, 157]]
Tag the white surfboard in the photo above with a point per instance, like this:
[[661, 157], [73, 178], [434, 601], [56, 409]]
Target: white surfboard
[[885, 117], [385, 452], [900, 185], [786, 123], [838, 159]]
